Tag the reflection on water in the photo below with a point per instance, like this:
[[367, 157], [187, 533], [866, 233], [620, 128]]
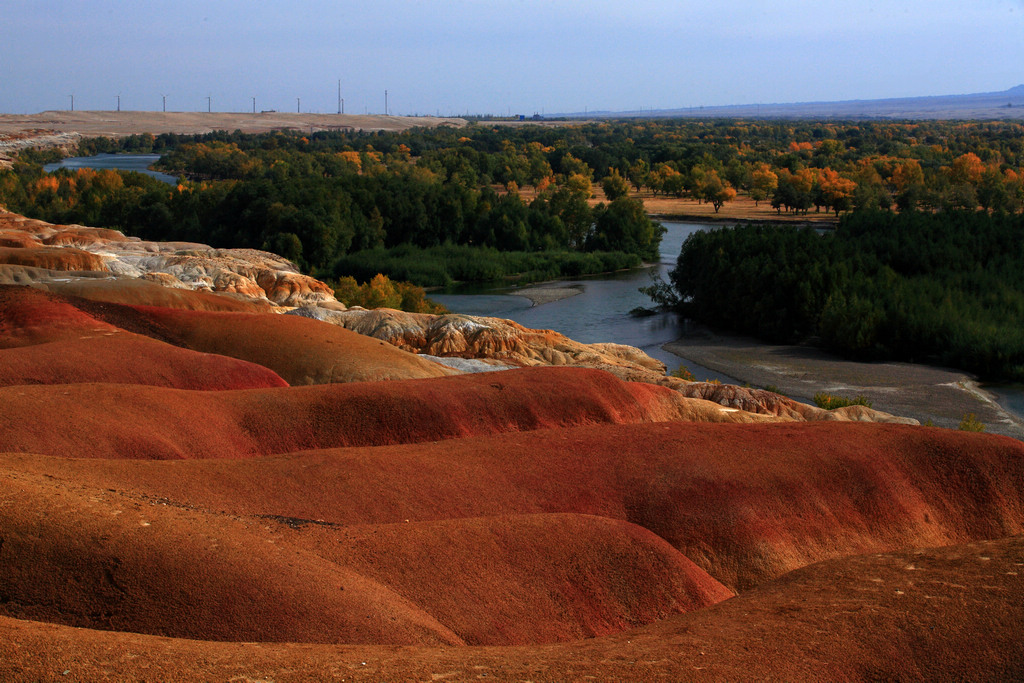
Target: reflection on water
[[600, 313], [139, 163]]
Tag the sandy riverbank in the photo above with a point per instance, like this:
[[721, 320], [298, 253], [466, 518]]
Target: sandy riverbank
[[942, 395]]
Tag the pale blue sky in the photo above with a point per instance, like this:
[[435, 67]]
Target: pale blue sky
[[484, 56]]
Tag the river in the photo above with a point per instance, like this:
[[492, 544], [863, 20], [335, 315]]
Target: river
[[601, 311], [139, 163]]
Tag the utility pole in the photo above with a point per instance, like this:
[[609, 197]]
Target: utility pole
[[165, 103], [342, 105], [254, 105], [72, 102], [209, 104], [119, 102], [298, 105]]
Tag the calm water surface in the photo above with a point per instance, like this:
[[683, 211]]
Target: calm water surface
[[600, 313], [1009, 396], [122, 162]]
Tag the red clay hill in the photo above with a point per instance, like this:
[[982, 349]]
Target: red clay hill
[[195, 487]]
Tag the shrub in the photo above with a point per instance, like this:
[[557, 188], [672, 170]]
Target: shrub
[[381, 292], [831, 402], [971, 423], [683, 373]]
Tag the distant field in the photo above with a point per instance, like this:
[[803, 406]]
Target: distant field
[[94, 123], [670, 208]]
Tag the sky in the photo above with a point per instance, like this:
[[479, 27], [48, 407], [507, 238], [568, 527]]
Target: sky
[[453, 57]]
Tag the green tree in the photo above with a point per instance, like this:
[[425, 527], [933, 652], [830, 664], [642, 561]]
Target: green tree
[[623, 225], [614, 185]]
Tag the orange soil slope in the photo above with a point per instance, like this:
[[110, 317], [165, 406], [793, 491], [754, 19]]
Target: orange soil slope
[[29, 316], [119, 562], [747, 503], [47, 340], [525, 578], [301, 350], [945, 614], [126, 358], [129, 421]]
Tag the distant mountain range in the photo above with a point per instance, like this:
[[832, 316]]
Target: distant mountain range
[[1007, 104]]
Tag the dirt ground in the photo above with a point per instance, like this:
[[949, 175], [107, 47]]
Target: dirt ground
[[95, 123]]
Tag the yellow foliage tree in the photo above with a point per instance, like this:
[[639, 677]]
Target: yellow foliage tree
[[381, 293], [763, 182], [578, 183]]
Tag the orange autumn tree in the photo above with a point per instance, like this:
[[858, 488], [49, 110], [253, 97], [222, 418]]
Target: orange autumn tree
[[353, 159], [836, 190], [906, 174], [966, 168]]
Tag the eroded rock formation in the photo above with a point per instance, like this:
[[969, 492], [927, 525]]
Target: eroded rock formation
[[253, 274]]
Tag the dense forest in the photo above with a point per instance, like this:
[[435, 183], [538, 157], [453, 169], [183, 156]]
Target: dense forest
[[942, 288], [323, 204]]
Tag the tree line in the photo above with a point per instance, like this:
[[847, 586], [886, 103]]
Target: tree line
[[943, 288], [318, 201]]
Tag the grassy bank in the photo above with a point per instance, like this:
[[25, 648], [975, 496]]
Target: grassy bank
[[443, 265]]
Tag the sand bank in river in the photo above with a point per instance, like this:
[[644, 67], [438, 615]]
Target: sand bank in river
[[546, 295], [919, 391]]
